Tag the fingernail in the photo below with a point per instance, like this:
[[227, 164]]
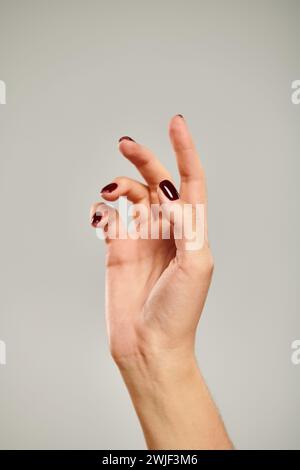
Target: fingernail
[[169, 190], [126, 137], [180, 115], [96, 219], [109, 188]]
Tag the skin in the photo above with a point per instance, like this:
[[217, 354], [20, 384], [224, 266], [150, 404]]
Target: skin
[[155, 294]]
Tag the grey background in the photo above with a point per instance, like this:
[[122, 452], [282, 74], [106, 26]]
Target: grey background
[[80, 74]]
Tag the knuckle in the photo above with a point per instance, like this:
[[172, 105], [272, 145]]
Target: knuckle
[[120, 180], [93, 207]]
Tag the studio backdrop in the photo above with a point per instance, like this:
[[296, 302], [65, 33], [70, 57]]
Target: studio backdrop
[[75, 76]]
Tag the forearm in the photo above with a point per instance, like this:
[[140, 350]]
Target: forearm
[[173, 404]]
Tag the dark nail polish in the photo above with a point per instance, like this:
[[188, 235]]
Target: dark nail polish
[[180, 115], [109, 188], [126, 137], [169, 190], [96, 219]]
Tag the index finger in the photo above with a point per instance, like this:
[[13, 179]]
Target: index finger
[[193, 187]]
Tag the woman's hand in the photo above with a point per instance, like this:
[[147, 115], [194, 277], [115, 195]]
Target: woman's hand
[[155, 293], [155, 289]]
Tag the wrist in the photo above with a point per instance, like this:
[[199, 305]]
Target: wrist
[[153, 381], [160, 368]]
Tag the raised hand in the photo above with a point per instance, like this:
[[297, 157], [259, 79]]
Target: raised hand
[[156, 290]]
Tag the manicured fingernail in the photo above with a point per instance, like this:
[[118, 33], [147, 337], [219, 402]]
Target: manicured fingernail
[[169, 190], [96, 219], [109, 188], [126, 137], [180, 115]]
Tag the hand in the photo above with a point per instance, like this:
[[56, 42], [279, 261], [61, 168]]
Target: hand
[[155, 293], [156, 289]]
